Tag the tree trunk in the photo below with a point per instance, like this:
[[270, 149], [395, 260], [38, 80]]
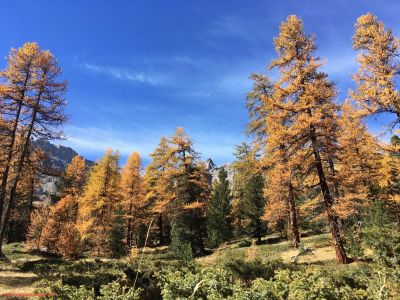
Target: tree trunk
[[7, 162], [328, 202], [129, 236], [20, 165], [161, 229], [258, 231], [9, 155], [335, 185], [293, 226]]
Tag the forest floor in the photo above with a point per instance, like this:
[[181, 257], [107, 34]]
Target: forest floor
[[14, 279]]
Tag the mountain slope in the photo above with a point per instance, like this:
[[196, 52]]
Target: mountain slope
[[57, 159]]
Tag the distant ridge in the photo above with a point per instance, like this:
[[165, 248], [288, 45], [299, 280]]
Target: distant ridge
[[212, 170], [57, 159]]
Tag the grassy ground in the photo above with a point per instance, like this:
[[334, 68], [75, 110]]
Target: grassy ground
[[323, 252], [14, 279]]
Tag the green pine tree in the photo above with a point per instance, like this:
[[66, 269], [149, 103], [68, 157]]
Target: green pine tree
[[189, 225], [252, 206], [190, 193], [219, 224], [117, 235]]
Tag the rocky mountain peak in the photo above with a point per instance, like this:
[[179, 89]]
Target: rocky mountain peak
[[57, 159], [210, 165]]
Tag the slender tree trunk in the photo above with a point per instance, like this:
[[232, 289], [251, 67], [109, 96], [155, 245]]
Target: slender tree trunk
[[31, 199], [9, 155], [7, 163], [293, 226], [336, 185], [258, 231], [130, 229], [161, 229], [129, 235], [292, 217], [328, 202], [13, 191]]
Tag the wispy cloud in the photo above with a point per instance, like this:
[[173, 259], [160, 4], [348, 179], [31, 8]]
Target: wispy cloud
[[125, 74], [230, 26], [342, 64], [94, 141]]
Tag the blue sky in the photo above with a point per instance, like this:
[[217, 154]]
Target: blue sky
[[139, 69]]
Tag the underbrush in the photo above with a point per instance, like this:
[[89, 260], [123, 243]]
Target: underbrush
[[266, 280], [95, 279], [233, 275]]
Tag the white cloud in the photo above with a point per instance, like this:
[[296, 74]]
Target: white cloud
[[125, 74], [91, 142], [97, 140], [341, 64]]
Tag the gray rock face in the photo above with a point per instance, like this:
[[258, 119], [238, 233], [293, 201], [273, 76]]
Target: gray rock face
[[57, 159], [213, 170]]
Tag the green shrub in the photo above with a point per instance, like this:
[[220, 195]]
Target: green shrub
[[278, 283], [113, 290], [56, 290], [182, 250], [249, 270], [385, 244], [208, 283], [265, 289], [318, 284], [46, 268], [244, 243]]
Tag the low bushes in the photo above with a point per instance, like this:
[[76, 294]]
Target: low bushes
[[270, 282], [113, 290]]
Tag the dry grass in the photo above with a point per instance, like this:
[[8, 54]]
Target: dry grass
[[322, 254], [14, 281], [323, 251], [17, 282]]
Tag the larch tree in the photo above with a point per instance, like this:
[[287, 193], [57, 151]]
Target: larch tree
[[219, 223], [100, 201], [38, 219], [60, 234], [248, 199], [133, 197], [55, 236], [158, 187], [390, 181], [33, 100], [282, 203], [359, 168], [69, 243], [302, 118], [75, 177], [258, 112], [16, 85], [281, 173], [279, 189], [376, 82], [379, 70], [26, 195], [191, 193]]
